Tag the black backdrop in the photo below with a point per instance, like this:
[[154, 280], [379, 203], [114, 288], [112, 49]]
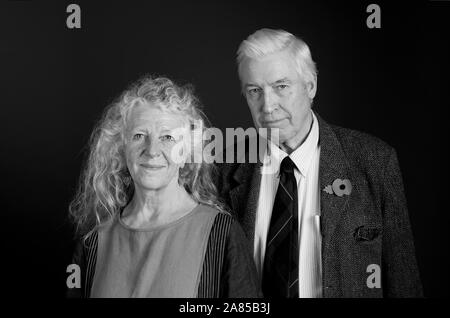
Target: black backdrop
[[55, 83]]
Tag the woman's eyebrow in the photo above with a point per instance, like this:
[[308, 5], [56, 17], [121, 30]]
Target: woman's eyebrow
[[138, 128]]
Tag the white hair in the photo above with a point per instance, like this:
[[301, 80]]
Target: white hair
[[267, 41]]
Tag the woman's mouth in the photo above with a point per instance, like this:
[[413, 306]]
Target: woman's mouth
[[151, 166]]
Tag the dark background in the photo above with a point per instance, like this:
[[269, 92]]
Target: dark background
[[55, 82]]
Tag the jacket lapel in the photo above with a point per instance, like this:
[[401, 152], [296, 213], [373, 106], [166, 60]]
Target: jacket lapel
[[333, 165], [244, 197]]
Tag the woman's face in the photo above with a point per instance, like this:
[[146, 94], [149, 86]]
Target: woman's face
[[154, 147]]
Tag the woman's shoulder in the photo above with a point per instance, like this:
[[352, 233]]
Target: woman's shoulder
[[86, 243], [228, 228], [224, 226], [216, 211], [220, 213]]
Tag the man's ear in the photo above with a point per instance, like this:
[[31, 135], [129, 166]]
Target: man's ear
[[311, 87]]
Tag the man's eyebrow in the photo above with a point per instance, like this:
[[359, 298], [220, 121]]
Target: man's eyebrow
[[250, 84], [283, 80]]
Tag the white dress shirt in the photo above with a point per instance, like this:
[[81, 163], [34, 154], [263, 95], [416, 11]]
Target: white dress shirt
[[306, 158]]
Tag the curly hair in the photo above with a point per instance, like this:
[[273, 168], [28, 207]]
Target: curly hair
[[105, 185]]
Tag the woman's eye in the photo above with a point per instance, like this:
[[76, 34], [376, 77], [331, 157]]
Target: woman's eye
[[138, 136], [166, 138]]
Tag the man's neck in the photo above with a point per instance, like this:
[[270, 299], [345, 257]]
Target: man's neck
[[292, 144]]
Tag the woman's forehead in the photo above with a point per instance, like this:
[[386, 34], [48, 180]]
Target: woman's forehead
[[152, 116]]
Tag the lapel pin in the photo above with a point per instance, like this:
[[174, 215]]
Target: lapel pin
[[339, 187]]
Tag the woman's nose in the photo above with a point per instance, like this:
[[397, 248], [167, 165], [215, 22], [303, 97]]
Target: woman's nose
[[152, 147]]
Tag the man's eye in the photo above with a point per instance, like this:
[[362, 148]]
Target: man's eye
[[138, 136], [281, 87], [166, 138], [253, 91]]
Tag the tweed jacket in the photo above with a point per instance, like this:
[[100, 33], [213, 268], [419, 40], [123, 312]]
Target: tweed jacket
[[369, 226]]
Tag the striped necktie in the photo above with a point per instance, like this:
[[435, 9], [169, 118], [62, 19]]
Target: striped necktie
[[280, 272]]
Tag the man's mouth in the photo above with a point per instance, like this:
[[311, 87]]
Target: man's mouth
[[270, 123]]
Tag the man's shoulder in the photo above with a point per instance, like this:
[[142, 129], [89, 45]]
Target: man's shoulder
[[363, 149], [358, 141], [236, 160]]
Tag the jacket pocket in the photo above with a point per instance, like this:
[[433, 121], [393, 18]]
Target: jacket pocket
[[366, 233]]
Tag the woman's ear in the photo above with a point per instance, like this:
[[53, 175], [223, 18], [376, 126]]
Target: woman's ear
[[126, 177]]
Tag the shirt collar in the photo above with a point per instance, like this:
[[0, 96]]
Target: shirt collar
[[302, 156]]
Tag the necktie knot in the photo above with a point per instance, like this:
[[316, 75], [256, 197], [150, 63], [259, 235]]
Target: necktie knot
[[287, 165]]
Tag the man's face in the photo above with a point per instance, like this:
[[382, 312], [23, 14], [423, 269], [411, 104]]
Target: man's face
[[277, 96]]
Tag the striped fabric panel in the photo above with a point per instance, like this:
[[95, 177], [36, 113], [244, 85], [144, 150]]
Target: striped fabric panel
[[209, 285], [91, 260]]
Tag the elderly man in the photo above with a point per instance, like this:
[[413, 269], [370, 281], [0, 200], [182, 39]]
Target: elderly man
[[324, 209]]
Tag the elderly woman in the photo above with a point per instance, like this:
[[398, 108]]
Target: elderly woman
[[150, 222]]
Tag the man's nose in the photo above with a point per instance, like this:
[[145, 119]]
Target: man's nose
[[152, 147], [269, 102]]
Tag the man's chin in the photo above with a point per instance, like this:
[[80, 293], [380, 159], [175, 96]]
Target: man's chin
[[276, 136]]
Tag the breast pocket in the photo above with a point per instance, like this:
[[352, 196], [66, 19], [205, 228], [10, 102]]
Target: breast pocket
[[366, 233]]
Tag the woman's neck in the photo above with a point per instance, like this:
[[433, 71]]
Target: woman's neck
[[157, 207]]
